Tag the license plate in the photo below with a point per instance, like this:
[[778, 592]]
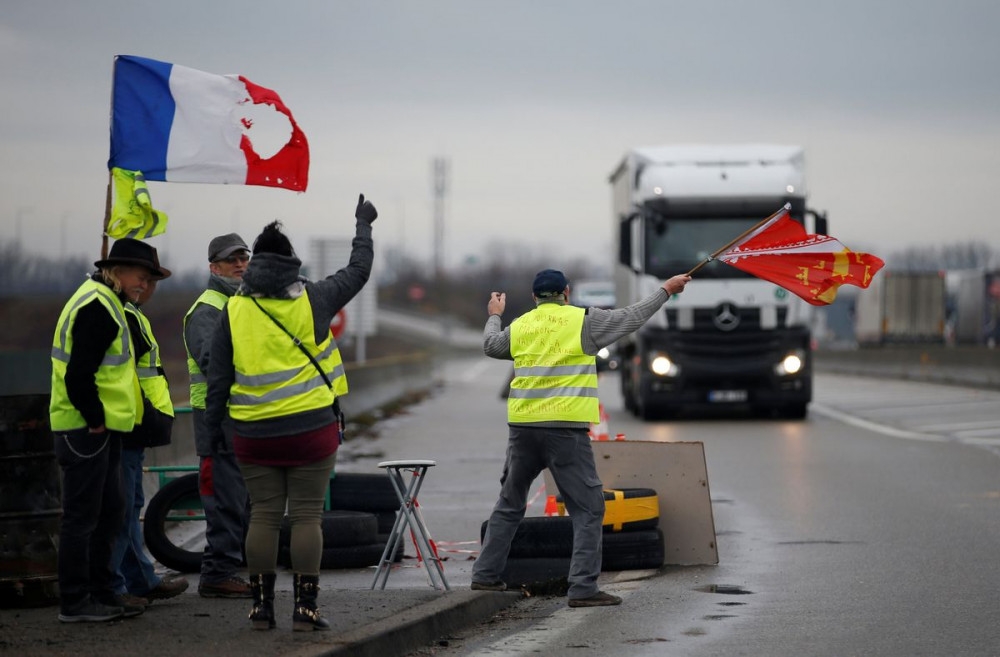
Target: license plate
[[724, 396]]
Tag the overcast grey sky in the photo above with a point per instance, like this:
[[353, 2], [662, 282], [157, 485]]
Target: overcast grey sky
[[897, 103]]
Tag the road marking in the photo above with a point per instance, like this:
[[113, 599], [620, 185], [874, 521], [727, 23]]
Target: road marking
[[868, 425], [990, 444]]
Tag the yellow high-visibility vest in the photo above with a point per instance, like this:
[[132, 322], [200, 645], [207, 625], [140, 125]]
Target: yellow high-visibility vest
[[199, 384], [149, 368], [554, 380], [117, 384], [273, 377]]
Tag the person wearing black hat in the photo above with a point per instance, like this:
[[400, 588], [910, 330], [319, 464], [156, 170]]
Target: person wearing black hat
[[550, 407], [223, 492], [276, 371], [95, 400]]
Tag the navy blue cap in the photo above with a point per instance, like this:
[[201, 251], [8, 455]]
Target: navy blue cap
[[549, 282]]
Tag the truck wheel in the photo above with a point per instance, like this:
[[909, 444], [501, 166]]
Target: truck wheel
[[176, 503], [796, 411]]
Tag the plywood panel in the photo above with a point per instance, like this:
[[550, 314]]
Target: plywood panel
[[677, 472]]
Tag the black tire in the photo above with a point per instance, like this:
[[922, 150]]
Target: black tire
[[340, 558], [362, 492], [354, 556], [340, 529], [177, 498], [540, 574], [540, 537], [397, 556], [639, 550], [385, 519]]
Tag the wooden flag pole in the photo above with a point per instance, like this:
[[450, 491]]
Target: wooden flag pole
[[737, 239], [107, 220]]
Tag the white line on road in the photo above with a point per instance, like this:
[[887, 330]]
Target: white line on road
[[868, 425]]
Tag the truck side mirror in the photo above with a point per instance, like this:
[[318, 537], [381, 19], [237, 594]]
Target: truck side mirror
[[820, 224], [625, 241]]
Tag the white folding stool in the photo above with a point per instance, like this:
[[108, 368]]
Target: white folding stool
[[409, 516]]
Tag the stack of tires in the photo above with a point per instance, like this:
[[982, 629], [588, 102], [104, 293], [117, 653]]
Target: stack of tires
[[632, 539], [356, 527]]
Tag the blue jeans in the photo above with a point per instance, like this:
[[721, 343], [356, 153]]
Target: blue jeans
[[134, 572]]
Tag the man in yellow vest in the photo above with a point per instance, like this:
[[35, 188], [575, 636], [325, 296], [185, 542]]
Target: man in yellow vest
[[95, 400], [223, 493], [552, 402]]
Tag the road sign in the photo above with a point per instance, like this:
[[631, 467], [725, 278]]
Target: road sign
[[338, 324]]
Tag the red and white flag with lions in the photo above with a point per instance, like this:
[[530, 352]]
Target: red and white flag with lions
[[810, 266]]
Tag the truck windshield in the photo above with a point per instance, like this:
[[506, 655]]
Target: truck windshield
[[676, 245]]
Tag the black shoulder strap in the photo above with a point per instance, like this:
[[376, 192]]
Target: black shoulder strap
[[297, 342]]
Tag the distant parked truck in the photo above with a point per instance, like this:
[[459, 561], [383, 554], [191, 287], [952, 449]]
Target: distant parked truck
[[901, 307], [977, 308]]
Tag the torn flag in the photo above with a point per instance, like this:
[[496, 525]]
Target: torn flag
[[178, 124], [810, 266], [132, 213]]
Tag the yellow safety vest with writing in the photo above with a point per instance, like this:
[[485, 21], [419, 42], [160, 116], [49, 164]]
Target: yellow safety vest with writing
[[554, 380], [149, 368], [199, 384], [117, 385], [273, 377]]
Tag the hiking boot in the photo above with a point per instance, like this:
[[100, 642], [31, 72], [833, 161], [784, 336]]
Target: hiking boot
[[231, 587], [489, 586], [89, 611], [168, 587], [599, 599], [131, 605]]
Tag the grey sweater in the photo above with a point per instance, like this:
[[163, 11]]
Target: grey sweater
[[600, 328]]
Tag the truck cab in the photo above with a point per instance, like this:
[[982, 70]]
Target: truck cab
[[729, 339]]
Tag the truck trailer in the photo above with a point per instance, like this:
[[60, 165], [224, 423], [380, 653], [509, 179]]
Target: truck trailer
[[729, 339], [902, 307]]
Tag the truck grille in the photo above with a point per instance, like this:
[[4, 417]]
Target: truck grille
[[705, 320]]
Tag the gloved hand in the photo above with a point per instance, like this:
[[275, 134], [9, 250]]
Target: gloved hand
[[219, 442], [365, 211]]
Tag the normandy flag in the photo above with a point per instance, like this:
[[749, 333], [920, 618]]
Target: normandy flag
[[810, 266]]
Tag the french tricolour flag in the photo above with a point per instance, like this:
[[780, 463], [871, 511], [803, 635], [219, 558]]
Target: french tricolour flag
[[178, 124]]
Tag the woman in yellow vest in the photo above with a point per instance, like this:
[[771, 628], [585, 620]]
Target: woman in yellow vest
[[275, 368], [95, 400]]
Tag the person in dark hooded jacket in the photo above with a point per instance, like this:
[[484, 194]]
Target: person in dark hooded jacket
[[276, 369]]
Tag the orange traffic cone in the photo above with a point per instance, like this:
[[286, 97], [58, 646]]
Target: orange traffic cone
[[551, 508]]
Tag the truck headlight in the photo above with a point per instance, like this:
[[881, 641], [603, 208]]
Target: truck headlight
[[661, 365], [790, 364]]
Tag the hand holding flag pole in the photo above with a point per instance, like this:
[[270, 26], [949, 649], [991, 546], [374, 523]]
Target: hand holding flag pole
[[813, 267]]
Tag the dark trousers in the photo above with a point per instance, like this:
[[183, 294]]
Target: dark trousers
[[93, 511], [227, 516]]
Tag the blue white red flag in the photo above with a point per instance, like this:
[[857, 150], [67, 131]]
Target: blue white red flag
[[178, 124]]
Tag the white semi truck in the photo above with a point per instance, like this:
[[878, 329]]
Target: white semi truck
[[729, 339]]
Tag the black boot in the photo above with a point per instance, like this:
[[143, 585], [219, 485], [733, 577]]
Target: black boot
[[306, 617], [262, 614]]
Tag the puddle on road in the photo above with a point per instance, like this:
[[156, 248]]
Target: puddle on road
[[723, 589]]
